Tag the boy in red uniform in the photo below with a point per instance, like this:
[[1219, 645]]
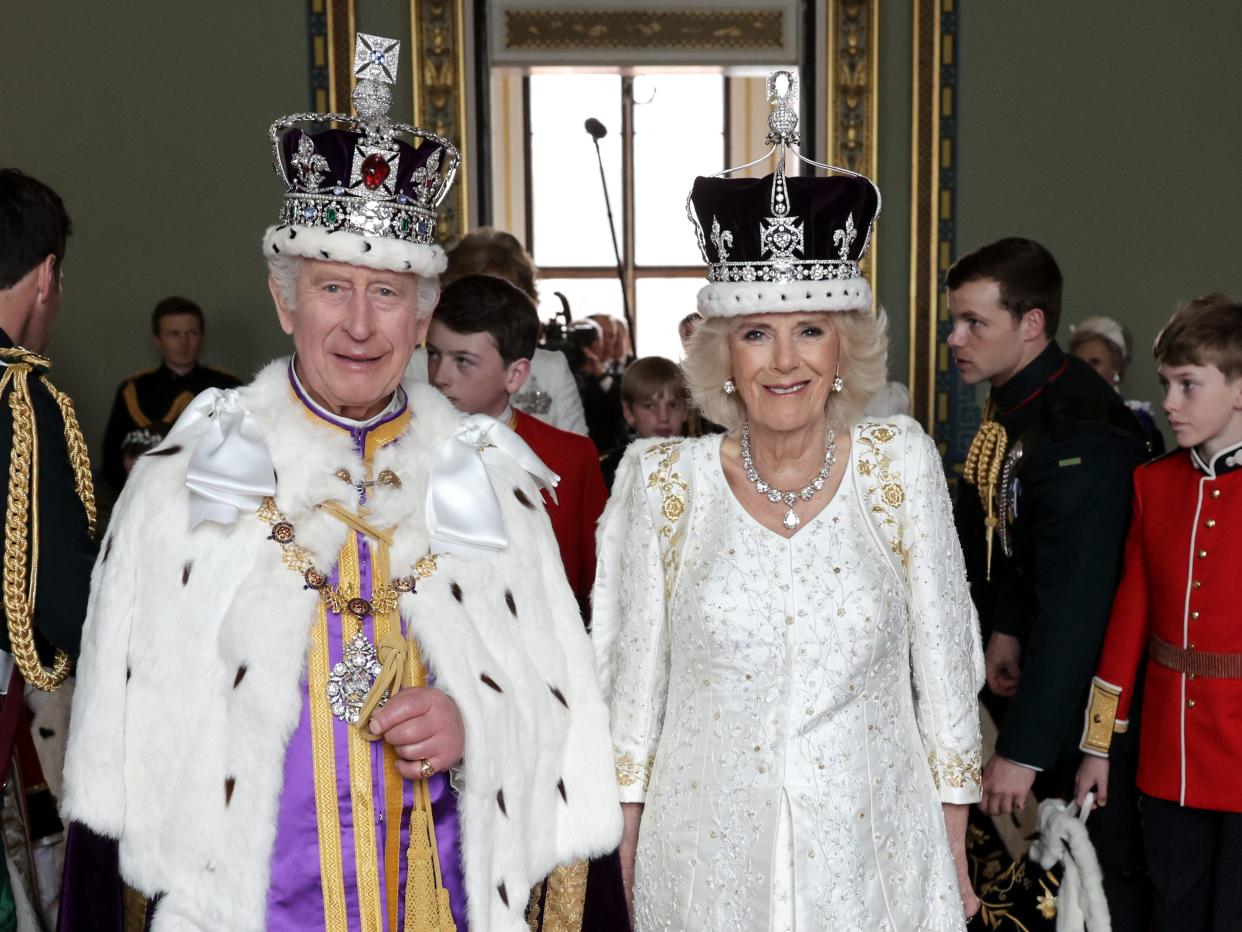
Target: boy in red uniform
[[479, 348], [1178, 603]]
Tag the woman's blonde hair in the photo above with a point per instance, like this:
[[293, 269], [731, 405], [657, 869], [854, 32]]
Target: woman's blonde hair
[[863, 340]]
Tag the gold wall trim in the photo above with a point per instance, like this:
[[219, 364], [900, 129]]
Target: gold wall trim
[[853, 95], [341, 29], [644, 29], [925, 211], [438, 54]]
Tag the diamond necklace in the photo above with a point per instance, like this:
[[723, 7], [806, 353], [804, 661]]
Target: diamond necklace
[[791, 519]]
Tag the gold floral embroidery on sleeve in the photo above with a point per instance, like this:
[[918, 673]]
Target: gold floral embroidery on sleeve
[[885, 491], [949, 769], [673, 490], [630, 771]]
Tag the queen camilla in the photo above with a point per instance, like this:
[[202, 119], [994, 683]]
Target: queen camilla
[[782, 621]]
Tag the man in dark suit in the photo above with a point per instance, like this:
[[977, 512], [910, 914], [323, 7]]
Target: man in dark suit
[[1042, 517], [48, 499], [147, 403]]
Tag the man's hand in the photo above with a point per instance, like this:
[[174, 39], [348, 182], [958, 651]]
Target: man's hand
[[1002, 660], [1092, 776], [423, 724], [1005, 786]]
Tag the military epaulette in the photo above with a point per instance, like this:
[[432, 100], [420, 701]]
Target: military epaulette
[[135, 376]]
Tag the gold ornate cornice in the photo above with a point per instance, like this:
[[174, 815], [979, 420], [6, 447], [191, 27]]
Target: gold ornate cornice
[[644, 29]]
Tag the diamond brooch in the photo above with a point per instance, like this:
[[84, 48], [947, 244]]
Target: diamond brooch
[[351, 679]]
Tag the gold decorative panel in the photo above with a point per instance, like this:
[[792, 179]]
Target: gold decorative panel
[[852, 83], [644, 29]]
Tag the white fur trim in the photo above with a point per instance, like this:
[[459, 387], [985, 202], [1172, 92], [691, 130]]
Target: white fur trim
[[732, 299], [372, 252]]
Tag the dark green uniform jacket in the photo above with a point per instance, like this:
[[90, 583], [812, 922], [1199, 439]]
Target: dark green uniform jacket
[[66, 551], [1070, 495], [153, 400]]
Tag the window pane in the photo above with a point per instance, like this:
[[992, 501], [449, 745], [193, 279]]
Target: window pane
[[678, 134], [662, 303], [570, 226], [586, 296]]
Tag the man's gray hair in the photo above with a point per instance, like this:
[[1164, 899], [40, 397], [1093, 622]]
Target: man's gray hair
[[284, 271]]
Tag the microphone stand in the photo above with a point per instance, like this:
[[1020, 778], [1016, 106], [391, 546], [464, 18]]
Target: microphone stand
[[612, 228]]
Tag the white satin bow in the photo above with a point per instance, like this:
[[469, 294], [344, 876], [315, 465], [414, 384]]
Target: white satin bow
[[231, 468], [463, 512]]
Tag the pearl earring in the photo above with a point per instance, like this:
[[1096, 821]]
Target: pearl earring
[[729, 387], [838, 384]]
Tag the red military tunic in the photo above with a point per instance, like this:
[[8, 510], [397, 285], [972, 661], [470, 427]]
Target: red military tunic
[[1182, 584], [580, 497]]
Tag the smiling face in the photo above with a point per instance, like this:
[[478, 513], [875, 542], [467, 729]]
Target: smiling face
[[1204, 409], [355, 330], [783, 366], [469, 371], [989, 344]]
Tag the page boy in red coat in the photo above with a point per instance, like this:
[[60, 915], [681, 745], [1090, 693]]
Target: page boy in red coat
[[1178, 605], [479, 347]]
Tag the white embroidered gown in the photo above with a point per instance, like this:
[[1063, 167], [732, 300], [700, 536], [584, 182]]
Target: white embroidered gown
[[790, 729]]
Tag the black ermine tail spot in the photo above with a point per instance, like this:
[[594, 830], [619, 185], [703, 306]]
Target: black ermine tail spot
[[229, 783], [560, 696], [241, 674], [490, 682], [560, 786], [185, 572], [523, 498], [509, 602], [500, 801], [504, 894], [456, 590]]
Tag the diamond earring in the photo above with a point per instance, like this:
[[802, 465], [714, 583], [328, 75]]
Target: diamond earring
[[838, 384], [729, 387]]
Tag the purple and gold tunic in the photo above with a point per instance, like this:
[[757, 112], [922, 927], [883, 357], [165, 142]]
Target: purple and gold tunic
[[358, 848]]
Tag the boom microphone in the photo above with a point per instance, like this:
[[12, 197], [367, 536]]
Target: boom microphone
[[597, 129]]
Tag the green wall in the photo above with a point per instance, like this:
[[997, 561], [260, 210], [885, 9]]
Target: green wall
[[1111, 133], [150, 119]]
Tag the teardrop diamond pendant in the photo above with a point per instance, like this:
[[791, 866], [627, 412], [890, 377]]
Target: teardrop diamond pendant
[[791, 519]]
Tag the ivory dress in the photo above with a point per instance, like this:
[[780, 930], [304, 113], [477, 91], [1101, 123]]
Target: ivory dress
[[791, 726]]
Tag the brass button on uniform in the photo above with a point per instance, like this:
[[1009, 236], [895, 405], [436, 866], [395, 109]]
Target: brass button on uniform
[[1190, 703], [1211, 522], [1202, 554], [1194, 616], [1215, 493], [1196, 584]]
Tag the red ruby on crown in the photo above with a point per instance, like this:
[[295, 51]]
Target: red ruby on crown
[[374, 171]]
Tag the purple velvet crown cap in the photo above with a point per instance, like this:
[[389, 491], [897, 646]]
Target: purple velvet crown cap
[[337, 146], [826, 207]]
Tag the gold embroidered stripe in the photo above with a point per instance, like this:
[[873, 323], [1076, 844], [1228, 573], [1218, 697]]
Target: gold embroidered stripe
[[362, 799], [331, 872]]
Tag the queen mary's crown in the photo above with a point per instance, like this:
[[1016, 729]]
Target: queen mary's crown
[[362, 189], [782, 243]]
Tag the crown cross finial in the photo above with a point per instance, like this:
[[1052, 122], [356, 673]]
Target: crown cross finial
[[844, 239], [783, 119], [375, 58]]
